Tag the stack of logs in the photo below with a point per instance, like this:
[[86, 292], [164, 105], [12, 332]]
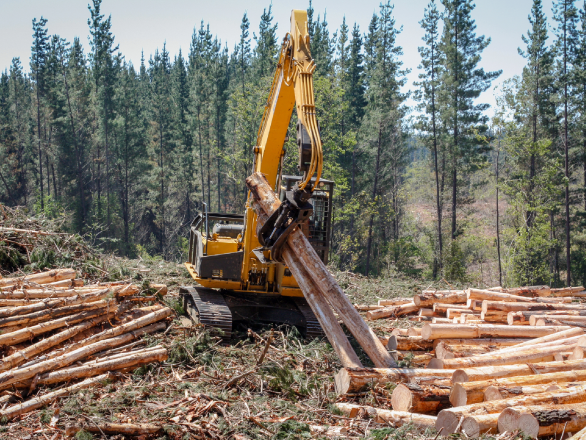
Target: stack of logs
[[498, 360], [54, 329]]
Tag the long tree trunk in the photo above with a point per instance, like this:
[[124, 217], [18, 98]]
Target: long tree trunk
[[77, 145], [498, 235], [567, 159], [162, 190], [39, 142], [374, 190], [455, 151]]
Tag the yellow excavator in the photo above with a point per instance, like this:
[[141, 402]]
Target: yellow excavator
[[238, 271]]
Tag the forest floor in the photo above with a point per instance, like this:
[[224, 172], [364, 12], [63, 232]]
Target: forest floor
[[209, 388]]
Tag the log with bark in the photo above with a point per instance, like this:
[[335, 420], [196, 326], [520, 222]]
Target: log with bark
[[443, 308], [449, 419], [131, 429], [298, 253], [7, 378], [488, 295], [426, 299], [504, 306], [446, 351], [409, 343], [118, 362], [392, 311], [528, 354], [530, 291], [498, 392], [55, 303], [23, 355], [48, 314], [543, 320], [40, 278], [18, 336], [567, 291], [502, 371], [422, 399], [447, 331], [543, 420], [394, 301], [386, 416], [355, 380], [39, 402]]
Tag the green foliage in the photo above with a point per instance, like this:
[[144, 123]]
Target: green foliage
[[292, 429], [84, 435], [187, 350]]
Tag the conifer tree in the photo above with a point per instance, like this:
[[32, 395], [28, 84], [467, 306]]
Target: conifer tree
[[104, 72], [566, 15], [429, 86], [38, 66], [463, 82], [266, 48], [383, 129]]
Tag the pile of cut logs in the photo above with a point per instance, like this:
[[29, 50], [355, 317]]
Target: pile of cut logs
[[54, 330], [498, 360]]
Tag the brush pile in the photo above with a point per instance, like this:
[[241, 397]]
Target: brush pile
[[56, 330], [36, 243], [497, 360]]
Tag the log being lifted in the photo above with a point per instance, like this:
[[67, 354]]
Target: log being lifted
[[447, 331], [426, 299], [448, 419], [421, 399], [543, 420], [355, 380], [386, 416], [501, 371], [40, 278], [300, 256]]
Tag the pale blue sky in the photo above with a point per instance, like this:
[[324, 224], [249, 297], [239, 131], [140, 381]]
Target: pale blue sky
[[147, 24]]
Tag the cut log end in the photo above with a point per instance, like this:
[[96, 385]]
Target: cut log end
[[342, 381], [492, 393], [436, 364], [447, 422], [458, 395], [402, 398]]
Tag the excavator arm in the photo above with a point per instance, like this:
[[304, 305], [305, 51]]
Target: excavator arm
[[292, 86]]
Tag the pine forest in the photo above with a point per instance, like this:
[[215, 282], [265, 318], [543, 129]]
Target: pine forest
[[430, 182]]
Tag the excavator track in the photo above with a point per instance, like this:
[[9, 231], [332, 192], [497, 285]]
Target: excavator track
[[312, 327], [207, 307], [216, 309]]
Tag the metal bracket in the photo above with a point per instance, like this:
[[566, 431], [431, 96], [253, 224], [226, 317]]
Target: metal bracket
[[294, 210]]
